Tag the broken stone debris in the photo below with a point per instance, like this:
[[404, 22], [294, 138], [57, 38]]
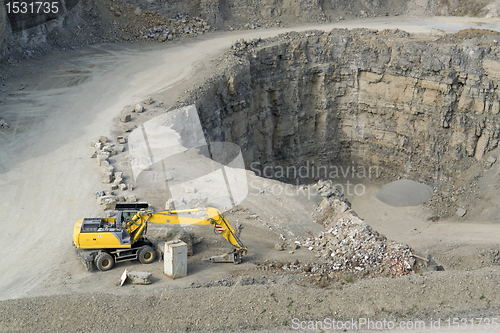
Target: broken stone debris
[[130, 198], [170, 205], [461, 212], [350, 245], [437, 32], [125, 128], [279, 247], [136, 277], [107, 177], [3, 125], [106, 167], [125, 118], [101, 158], [138, 108], [108, 204], [180, 25], [179, 234]]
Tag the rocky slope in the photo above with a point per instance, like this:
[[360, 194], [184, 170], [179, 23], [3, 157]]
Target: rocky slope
[[81, 22]]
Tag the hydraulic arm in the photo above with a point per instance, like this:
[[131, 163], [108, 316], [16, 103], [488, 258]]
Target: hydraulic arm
[[137, 224]]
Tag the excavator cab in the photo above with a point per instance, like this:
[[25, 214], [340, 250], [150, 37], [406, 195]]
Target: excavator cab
[[126, 211]]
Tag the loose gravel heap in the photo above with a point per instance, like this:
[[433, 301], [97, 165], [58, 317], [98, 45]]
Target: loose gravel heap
[[349, 247], [180, 25], [349, 244]]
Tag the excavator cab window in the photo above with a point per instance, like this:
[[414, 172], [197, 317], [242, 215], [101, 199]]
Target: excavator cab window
[[125, 217]]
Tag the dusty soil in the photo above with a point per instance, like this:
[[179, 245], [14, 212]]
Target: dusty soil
[[56, 105]]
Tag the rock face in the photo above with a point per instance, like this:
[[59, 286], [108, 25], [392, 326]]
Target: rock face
[[82, 22], [4, 32], [422, 110]]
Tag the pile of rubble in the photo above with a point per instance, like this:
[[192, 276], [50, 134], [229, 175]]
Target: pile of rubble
[[241, 46], [180, 25], [349, 244], [104, 149]]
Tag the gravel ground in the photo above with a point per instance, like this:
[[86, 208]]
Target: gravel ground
[[271, 305]]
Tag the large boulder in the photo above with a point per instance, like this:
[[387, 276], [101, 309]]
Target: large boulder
[[182, 235]]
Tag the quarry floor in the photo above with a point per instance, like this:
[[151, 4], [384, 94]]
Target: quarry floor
[[63, 101]]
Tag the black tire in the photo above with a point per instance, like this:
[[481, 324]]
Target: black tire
[[146, 254], [104, 261]]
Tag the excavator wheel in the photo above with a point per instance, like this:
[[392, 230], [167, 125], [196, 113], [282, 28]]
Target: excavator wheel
[[146, 254], [104, 261]]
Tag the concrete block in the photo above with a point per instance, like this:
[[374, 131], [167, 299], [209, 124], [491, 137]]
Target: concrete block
[[102, 139], [108, 204], [175, 259], [106, 167], [121, 140], [139, 277], [107, 177], [123, 187], [101, 158]]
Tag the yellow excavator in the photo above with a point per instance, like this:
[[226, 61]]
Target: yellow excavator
[[106, 241]]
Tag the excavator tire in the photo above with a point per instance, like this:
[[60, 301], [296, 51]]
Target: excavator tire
[[104, 261], [146, 254]]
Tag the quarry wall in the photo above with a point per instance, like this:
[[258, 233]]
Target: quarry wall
[[4, 32], [81, 22], [420, 110]]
